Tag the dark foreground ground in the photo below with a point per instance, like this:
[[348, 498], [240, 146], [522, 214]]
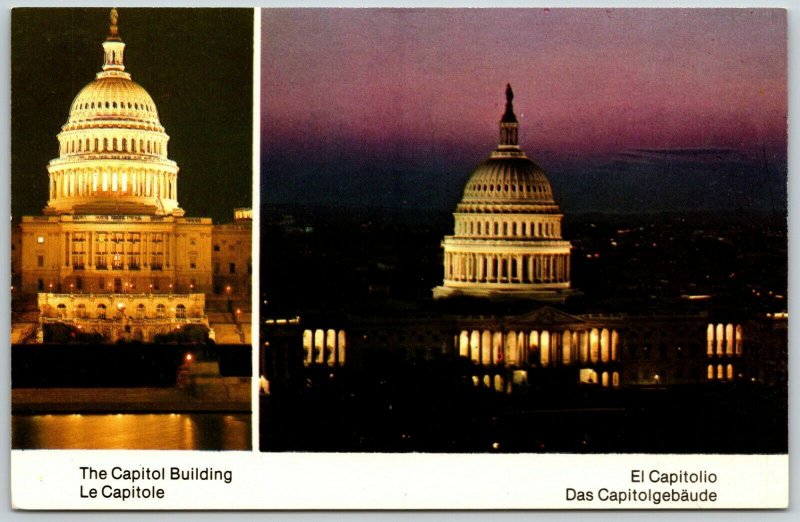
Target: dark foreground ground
[[435, 410]]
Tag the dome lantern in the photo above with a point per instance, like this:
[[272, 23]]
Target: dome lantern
[[113, 47], [509, 126]]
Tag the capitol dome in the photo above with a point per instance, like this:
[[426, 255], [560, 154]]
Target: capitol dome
[[507, 240], [113, 98], [113, 148], [509, 180]]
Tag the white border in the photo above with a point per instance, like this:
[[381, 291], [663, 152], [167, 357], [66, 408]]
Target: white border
[[255, 259], [281, 481], [262, 487]]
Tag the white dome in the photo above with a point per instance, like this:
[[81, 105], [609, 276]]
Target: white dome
[[112, 149], [507, 238]]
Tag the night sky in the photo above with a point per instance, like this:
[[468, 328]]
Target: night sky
[[195, 63], [627, 110]]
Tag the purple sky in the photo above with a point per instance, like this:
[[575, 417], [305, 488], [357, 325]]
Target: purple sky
[[422, 90]]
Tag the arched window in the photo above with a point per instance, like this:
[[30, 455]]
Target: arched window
[[62, 310], [319, 346], [140, 311], [80, 311], [710, 339], [738, 339], [161, 311], [544, 348], [101, 311], [308, 340], [594, 345], [180, 311], [729, 339], [463, 344], [604, 345]]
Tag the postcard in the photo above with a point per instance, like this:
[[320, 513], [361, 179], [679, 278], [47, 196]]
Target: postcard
[[419, 258]]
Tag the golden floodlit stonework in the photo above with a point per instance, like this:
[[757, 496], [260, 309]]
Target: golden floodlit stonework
[[114, 246]]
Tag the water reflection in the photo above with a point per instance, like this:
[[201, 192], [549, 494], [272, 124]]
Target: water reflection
[[169, 431]]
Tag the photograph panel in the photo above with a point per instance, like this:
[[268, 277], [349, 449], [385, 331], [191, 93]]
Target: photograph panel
[[130, 300], [524, 231]]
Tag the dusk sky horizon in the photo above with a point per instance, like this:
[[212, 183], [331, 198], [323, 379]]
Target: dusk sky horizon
[[625, 109]]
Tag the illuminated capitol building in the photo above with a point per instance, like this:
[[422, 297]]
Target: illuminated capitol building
[[113, 252], [506, 275]]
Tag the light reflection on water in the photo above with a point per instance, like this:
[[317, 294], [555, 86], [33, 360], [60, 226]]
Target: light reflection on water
[[168, 431]]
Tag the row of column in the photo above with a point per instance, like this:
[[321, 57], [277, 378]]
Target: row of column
[[722, 373], [526, 229], [724, 339], [325, 347], [136, 247], [138, 182], [80, 311], [141, 146], [545, 348], [507, 268]]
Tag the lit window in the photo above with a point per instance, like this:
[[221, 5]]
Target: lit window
[[40, 239]]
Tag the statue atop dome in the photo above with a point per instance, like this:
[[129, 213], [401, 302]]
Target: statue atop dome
[[509, 116], [113, 30]]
